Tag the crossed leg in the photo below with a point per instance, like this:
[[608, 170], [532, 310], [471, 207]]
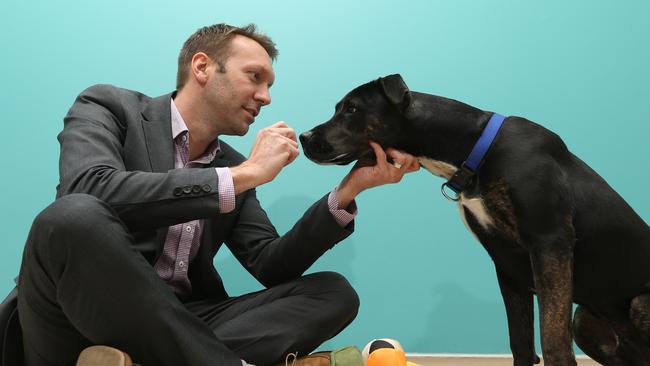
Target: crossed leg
[[83, 283]]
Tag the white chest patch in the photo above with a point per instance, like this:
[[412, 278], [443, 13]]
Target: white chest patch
[[475, 204], [477, 207], [436, 167]]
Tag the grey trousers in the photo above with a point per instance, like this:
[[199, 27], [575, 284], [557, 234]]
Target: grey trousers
[[82, 283]]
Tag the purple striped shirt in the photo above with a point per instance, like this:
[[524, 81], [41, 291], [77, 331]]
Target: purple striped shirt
[[183, 240]]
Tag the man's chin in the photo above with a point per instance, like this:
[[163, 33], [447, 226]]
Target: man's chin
[[243, 130], [239, 129]]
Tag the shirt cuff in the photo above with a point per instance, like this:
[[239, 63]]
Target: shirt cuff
[[226, 190], [342, 216]]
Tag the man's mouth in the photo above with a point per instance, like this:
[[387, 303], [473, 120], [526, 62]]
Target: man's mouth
[[252, 111]]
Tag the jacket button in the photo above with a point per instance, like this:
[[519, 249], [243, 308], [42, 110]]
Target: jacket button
[[196, 189], [187, 189], [206, 188], [178, 191]]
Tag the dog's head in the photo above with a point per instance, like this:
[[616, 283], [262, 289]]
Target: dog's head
[[371, 112]]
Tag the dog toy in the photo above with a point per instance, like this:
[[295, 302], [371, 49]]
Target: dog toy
[[385, 352]]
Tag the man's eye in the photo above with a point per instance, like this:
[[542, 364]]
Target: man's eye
[[254, 75], [351, 109]]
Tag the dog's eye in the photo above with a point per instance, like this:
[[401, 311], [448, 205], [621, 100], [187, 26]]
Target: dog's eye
[[351, 109]]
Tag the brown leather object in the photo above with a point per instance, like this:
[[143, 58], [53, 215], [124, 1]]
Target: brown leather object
[[314, 359], [103, 356]]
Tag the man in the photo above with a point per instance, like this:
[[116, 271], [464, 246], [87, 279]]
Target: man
[[147, 195]]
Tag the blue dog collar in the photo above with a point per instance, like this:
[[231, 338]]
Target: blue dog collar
[[463, 176]]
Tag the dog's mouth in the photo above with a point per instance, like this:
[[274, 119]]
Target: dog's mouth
[[341, 159], [365, 158], [324, 152]]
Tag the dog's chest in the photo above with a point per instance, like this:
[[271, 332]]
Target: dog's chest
[[491, 211], [476, 207]]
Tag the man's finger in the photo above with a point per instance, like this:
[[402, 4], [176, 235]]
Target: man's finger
[[379, 153], [414, 166], [292, 142], [398, 155], [278, 124], [286, 132], [293, 154], [403, 159]]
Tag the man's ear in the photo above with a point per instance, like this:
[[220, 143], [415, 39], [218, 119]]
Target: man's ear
[[396, 91], [199, 67]]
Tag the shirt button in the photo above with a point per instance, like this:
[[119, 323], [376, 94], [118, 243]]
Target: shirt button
[[188, 229], [181, 264], [184, 138]]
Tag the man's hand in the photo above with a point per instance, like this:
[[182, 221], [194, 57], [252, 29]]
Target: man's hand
[[275, 147], [383, 172]]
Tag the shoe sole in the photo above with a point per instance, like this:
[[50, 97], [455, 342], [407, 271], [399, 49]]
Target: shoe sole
[[103, 356]]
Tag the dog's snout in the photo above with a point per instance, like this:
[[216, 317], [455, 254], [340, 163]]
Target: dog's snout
[[305, 136], [315, 146]]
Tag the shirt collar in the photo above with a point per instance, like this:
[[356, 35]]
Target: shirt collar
[[178, 124], [179, 128]]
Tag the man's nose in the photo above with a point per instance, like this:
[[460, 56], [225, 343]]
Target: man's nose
[[263, 96]]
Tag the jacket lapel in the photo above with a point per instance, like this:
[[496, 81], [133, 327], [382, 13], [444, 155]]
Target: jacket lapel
[[220, 161], [156, 125]]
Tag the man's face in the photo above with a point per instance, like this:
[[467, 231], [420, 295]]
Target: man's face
[[239, 93]]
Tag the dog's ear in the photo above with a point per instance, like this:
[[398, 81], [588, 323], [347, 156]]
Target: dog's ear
[[396, 91]]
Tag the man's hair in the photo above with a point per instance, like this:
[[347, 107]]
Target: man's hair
[[214, 41]]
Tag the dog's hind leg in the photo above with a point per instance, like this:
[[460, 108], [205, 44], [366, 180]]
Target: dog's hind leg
[[640, 316], [519, 309], [596, 337], [612, 342]]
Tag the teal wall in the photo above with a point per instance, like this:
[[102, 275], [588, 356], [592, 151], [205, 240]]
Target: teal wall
[[579, 68]]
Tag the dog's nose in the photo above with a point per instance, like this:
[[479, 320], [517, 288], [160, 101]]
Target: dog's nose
[[305, 136]]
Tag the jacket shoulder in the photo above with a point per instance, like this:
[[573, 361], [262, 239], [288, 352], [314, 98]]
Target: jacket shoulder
[[105, 103], [111, 93]]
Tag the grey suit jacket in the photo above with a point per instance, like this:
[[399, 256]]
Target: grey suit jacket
[[117, 145]]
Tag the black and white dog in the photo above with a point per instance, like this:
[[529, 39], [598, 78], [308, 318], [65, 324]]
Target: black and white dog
[[552, 226]]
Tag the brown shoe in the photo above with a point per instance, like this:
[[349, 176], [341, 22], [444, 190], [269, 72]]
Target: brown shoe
[[314, 359], [103, 356]]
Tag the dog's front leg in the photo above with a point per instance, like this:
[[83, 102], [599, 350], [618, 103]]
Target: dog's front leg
[[552, 262], [519, 309]]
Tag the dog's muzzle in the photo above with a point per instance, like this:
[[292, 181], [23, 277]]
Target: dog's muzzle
[[305, 137], [315, 147]]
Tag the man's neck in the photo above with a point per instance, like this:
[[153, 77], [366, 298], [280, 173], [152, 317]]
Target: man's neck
[[201, 131]]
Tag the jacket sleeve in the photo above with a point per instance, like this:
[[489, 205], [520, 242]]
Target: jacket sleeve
[[92, 161], [273, 259]]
